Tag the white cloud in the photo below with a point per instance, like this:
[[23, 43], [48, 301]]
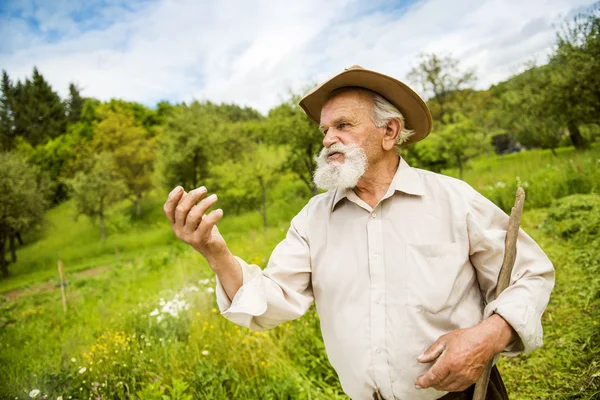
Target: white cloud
[[251, 53]]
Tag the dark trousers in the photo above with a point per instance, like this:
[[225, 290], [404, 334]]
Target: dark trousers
[[495, 391]]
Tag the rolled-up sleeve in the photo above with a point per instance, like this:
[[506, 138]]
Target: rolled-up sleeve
[[279, 293], [532, 280]]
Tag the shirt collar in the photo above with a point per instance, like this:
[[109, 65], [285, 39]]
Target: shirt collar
[[405, 180]]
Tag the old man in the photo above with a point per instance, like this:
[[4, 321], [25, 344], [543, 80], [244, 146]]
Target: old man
[[401, 263]]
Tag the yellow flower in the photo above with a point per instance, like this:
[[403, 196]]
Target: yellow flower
[[197, 314], [214, 310]]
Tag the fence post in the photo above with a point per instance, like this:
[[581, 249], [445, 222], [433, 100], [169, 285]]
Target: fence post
[[63, 283], [117, 252]]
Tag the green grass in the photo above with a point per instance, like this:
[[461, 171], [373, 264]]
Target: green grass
[[568, 364], [128, 353], [544, 176]]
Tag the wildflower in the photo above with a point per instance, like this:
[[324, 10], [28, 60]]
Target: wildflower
[[210, 290], [154, 313], [197, 314], [214, 310], [59, 398], [82, 370], [73, 359], [204, 352], [34, 393]]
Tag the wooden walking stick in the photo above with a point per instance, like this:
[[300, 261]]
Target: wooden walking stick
[[510, 254]]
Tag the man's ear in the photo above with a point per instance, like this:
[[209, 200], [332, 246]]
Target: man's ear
[[392, 130]]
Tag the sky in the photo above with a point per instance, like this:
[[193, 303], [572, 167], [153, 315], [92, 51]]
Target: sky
[[255, 53]]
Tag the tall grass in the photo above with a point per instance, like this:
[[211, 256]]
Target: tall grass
[[544, 176]]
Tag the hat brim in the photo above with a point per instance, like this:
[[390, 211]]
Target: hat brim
[[416, 113]]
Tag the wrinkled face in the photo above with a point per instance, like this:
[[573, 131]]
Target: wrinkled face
[[346, 119], [351, 140]]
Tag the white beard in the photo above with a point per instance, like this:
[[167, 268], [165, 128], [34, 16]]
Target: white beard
[[336, 175]]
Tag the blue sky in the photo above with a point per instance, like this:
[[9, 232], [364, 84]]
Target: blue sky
[[255, 52]]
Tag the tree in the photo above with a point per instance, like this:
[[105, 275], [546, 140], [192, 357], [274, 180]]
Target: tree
[[439, 76], [95, 189], [454, 106], [23, 202], [74, 104], [289, 125], [575, 89], [39, 114], [451, 145], [199, 133], [460, 141], [525, 112], [6, 114], [118, 132], [184, 149], [248, 178]]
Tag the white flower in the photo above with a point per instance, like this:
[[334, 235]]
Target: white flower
[[204, 352], [82, 370], [34, 393], [159, 318], [204, 281], [210, 290], [73, 359], [154, 313], [59, 398]]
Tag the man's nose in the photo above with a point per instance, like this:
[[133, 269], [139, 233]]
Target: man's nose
[[330, 138]]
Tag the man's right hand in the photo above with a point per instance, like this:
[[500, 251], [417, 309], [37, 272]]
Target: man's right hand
[[191, 225]]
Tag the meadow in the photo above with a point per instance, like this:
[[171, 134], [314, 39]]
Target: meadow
[[142, 320]]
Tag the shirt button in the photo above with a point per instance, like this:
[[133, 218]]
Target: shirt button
[[376, 256], [377, 301], [374, 215], [378, 351]]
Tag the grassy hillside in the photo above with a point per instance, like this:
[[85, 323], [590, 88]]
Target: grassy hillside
[[147, 325]]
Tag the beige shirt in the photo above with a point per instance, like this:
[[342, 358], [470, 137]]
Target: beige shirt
[[388, 281]]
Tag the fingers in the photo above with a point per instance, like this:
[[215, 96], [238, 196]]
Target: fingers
[[185, 204], [197, 213], [208, 223], [434, 377], [171, 203], [432, 353]]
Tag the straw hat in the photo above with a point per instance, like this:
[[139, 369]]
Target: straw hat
[[413, 108]]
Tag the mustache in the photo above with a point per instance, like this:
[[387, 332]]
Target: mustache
[[336, 148]]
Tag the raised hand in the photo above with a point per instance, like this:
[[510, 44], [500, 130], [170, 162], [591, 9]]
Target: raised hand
[[191, 223]]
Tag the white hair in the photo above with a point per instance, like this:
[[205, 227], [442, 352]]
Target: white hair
[[383, 112]]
